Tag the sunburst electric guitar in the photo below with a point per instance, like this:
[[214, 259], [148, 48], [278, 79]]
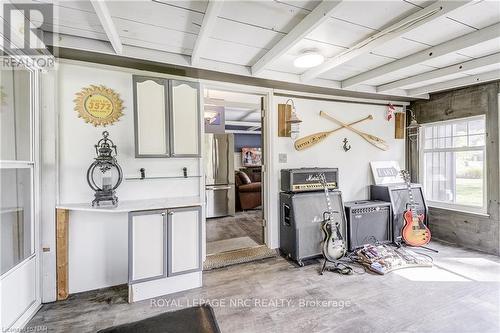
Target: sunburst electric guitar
[[414, 232]]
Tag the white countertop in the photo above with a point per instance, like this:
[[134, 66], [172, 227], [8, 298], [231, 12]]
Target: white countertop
[[135, 205]]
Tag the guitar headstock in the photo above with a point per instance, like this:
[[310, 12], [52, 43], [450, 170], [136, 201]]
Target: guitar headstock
[[406, 175]]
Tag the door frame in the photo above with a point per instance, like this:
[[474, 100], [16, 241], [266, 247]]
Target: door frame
[[35, 141], [267, 131]]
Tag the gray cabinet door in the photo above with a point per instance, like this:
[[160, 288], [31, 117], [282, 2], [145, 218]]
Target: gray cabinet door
[[184, 240], [147, 245], [185, 119], [151, 117]]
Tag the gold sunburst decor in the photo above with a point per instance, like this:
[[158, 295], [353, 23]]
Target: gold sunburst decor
[[98, 105]]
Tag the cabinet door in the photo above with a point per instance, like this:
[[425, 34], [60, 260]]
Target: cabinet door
[[184, 230], [185, 119], [151, 119], [147, 246]]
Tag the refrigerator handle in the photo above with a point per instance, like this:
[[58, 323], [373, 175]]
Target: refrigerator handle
[[213, 159], [216, 146]]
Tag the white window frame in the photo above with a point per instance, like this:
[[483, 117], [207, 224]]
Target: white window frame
[[453, 206]]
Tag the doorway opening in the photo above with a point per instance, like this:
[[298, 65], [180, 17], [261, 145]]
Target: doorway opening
[[233, 162]]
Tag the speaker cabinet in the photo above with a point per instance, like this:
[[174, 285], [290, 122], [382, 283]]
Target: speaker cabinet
[[368, 222], [397, 195], [301, 215]]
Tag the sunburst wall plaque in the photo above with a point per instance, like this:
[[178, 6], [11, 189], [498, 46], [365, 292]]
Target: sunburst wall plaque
[[98, 105]]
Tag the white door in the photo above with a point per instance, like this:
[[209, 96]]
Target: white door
[[19, 257]]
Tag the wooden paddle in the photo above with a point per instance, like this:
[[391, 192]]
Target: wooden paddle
[[311, 140], [376, 141]]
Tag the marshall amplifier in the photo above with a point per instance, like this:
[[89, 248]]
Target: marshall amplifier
[[301, 215], [308, 179], [397, 195], [368, 222]]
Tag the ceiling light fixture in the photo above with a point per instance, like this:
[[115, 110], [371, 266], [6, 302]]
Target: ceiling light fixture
[[309, 59]]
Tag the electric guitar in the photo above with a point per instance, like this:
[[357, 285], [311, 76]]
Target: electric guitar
[[333, 246], [414, 232]]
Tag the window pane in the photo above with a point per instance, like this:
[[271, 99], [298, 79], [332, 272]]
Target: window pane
[[15, 217], [15, 115], [460, 141], [476, 140], [455, 176], [476, 126], [428, 132], [442, 131], [460, 129], [469, 178]]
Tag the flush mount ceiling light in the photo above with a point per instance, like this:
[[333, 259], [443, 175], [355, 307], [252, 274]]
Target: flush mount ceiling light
[[309, 59]]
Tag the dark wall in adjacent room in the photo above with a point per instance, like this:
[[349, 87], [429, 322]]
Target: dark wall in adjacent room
[[480, 232], [246, 140]]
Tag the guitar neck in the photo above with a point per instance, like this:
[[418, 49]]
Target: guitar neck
[[410, 196]]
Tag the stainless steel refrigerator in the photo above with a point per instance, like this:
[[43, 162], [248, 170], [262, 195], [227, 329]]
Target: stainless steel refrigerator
[[219, 175]]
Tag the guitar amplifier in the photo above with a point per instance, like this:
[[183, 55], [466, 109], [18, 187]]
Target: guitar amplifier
[[368, 222], [397, 195], [308, 179], [301, 217]]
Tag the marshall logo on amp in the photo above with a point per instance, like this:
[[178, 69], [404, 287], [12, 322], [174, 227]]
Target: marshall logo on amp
[[308, 179]]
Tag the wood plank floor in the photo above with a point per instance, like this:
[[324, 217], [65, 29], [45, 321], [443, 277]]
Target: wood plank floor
[[247, 223], [461, 293]]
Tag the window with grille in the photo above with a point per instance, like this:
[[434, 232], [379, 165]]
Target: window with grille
[[453, 163]]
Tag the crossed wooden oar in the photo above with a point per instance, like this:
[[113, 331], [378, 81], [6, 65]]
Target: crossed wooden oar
[[310, 140]]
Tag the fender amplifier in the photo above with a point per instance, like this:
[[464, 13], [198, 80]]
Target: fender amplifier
[[307, 179], [301, 215], [368, 222]]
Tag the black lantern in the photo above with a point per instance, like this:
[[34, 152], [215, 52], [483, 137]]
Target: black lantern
[[104, 174]]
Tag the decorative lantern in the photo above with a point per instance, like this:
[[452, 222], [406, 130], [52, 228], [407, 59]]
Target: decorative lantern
[[104, 174], [413, 127]]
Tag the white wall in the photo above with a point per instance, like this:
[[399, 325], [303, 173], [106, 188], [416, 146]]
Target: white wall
[[354, 168], [98, 242]]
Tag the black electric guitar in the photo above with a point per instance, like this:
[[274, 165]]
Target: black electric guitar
[[333, 246]]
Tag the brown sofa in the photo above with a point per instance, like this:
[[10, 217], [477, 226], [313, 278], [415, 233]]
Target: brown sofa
[[248, 193]]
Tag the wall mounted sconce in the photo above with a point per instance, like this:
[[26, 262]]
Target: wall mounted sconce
[[413, 127], [288, 121]]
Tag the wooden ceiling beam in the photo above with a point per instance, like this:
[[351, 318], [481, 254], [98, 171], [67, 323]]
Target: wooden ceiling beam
[[214, 7], [454, 45], [102, 11], [423, 16], [319, 15], [456, 83], [454, 69]]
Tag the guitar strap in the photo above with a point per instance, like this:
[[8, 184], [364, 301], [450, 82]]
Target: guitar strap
[[340, 268]]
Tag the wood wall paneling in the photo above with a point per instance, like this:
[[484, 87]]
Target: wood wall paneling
[[62, 220], [466, 229]]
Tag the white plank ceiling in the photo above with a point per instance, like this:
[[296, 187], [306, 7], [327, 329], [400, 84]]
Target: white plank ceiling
[[242, 32]]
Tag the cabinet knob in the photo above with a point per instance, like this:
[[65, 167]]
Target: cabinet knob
[[170, 213], [162, 214]]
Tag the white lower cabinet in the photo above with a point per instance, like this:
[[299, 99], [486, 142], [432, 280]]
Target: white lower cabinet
[[147, 245], [164, 246], [184, 245]]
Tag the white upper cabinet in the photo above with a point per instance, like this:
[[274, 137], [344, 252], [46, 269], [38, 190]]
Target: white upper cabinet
[[185, 126], [166, 117], [151, 118]]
